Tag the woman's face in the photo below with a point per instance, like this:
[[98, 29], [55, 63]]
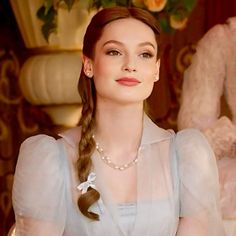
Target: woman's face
[[125, 66]]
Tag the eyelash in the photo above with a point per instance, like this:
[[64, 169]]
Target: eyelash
[[147, 55], [114, 52]]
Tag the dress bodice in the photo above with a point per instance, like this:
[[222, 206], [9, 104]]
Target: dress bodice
[[169, 187]]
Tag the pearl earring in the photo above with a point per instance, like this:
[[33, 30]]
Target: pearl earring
[[156, 78], [88, 74]]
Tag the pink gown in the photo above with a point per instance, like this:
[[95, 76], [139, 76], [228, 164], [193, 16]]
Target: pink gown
[[211, 75]]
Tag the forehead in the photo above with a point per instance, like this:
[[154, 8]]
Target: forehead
[[128, 30]]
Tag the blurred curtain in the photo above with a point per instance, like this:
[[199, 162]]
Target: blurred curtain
[[217, 11]]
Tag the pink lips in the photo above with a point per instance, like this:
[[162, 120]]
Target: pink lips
[[126, 81]]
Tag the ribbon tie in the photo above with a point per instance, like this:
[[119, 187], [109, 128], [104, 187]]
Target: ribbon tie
[[89, 183]]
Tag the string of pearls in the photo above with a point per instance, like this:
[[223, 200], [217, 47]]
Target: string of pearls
[[107, 160]]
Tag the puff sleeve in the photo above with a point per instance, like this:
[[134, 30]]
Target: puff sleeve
[[39, 188], [199, 187]]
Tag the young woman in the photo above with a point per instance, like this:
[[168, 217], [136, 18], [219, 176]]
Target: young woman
[[117, 173]]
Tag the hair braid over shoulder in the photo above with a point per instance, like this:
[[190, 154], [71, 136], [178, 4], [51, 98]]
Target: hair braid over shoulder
[[84, 164], [86, 144]]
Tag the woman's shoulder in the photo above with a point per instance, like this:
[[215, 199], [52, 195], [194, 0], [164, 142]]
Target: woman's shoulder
[[42, 148], [195, 156], [193, 150], [39, 153], [71, 136], [38, 143], [191, 137], [39, 179]]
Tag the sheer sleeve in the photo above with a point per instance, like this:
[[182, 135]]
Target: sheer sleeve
[[39, 189], [199, 187]]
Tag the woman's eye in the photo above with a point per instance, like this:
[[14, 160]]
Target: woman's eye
[[147, 55], [113, 53]]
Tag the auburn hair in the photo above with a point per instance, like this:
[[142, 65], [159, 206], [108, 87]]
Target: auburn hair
[[88, 94]]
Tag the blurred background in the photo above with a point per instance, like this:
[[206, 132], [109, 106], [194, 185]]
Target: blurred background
[[38, 78]]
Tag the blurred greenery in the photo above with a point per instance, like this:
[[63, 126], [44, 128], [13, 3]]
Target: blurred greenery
[[181, 9]]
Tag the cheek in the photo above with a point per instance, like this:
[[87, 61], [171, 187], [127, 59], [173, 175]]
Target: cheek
[[102, 76], [148, 90], [102, 69], [149, 76], [149, 73], [150, 84]]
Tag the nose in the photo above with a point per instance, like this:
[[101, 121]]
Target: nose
[[129, 65], [129, 69]]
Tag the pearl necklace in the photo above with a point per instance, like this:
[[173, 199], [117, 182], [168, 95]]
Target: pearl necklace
[[108, 161]]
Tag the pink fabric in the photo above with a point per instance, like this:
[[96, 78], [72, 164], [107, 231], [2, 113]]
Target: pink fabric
[[211, 74]]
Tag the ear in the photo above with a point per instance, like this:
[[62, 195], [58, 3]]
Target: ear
[[87, 66], [157, 72]]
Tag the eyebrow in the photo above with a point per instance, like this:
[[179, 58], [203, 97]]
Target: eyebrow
[[120, 43]]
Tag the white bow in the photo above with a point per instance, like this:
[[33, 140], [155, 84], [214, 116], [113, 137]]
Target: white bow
[[89, 183]]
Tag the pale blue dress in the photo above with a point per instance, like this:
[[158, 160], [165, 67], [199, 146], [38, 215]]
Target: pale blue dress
[[177, 177]]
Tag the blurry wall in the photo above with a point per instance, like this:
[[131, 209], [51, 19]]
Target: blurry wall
[[18, 118]]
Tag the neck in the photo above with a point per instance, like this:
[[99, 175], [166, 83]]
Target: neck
[[119, 126]]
